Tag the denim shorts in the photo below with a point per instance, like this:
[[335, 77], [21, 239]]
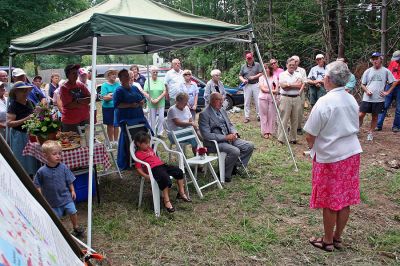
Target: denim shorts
[[67, 209]]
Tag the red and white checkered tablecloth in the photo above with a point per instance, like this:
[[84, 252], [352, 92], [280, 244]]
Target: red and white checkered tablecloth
[[75, 158]]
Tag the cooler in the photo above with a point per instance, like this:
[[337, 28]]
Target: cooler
[[81, 185]]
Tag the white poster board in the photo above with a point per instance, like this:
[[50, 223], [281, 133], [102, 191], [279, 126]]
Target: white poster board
[[28, 235]]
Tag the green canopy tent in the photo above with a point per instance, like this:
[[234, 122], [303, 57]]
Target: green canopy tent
[[126, 27]]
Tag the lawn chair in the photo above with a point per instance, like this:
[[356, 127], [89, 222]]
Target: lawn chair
[[171, 143], [154, 186], [100, 133], [183, 135], [132, 131]]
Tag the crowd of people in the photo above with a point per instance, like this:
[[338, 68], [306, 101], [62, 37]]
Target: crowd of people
[[335, 149]]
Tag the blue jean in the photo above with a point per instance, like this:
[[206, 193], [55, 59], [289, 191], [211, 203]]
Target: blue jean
[[388, 102]]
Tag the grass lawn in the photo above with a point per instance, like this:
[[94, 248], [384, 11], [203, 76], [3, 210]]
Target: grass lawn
[[262, 220]]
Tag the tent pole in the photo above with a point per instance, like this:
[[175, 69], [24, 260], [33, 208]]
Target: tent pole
[[273, 99], [91, 141], [10, 59]]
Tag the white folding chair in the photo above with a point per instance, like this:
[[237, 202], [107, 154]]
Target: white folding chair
[[100, 133], [171, 143], [183, 135], [221, 161], [154, 186]]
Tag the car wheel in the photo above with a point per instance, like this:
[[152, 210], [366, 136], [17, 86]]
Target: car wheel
[[228, 103]]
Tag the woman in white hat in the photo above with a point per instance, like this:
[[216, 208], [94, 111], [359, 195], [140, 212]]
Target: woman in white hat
[[20, 110]]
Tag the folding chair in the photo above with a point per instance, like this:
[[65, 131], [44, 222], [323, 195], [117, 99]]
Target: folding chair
[[100, 132], [171, 143], [154, 186], [183, 135]]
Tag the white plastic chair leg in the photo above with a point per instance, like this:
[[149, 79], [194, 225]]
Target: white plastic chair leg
[[141, 191], [221, 164], [156, 198]]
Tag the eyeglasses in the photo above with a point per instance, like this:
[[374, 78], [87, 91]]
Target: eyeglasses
[[187, 74], [154, 72], [273, 63]]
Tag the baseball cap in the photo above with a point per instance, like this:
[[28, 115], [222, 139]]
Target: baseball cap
[[82, 71], [21, 85], [396, 55], [18, 72], [318, 56], [376, 54], [249, 56], [68, 68]]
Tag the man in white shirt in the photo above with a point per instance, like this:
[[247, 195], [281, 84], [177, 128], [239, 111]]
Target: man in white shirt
[[303, 75], [316, 79], [173, 81], [373, 83], [291, 84]]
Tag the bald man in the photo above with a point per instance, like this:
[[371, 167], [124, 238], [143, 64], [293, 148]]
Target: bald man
[[173, 80]]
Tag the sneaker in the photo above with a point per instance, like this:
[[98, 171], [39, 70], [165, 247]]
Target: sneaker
[[246, 120], [370, 137], [378, 129], [396, 129], [258, 118], [78, 232]]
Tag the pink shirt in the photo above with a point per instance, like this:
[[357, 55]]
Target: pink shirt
[[273, 84], [277, 72], [149, 157]]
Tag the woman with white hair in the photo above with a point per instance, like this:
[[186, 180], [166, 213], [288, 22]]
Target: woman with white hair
[[332, 129], [155, 89], [214, 85], [190, 88]]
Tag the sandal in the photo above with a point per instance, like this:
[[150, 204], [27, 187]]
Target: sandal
[[338, 244], [183, 197], [170, 209], [319, 243]]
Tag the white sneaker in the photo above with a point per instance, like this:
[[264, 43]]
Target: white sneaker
[[370, 137]]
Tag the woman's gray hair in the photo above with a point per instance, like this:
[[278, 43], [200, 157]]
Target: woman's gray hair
[[181, 96], [154, 68], [215, 72], [338, 73]]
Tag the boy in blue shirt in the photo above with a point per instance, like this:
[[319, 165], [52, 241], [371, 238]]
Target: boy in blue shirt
[[54, 181]]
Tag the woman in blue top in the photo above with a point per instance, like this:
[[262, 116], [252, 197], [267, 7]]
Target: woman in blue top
[[191, 89], [128, 103], [107, 90]]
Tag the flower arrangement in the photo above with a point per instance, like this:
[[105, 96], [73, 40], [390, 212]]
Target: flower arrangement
[[202, 151], [42, 123]]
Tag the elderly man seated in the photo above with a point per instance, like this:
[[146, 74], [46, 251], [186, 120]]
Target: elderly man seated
[[214, 124]]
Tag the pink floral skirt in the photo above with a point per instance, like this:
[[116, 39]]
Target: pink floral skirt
[[336, 185]]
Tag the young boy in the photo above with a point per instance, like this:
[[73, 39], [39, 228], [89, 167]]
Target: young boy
[[55, 181], [160, 170]]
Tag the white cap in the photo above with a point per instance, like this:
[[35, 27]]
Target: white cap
[[18, 72], [318, 56]]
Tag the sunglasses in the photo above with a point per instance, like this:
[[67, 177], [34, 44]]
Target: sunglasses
[[273, 63], [187, 74]]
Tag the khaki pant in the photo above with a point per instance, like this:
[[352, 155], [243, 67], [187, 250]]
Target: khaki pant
[[250, 91], [301, 109], [289, 110]]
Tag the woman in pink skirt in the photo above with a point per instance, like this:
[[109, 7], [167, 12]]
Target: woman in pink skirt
[[332, 137], [265, 102]]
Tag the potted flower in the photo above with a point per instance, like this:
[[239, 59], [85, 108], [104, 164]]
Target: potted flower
[[202, 152], [42, 125]]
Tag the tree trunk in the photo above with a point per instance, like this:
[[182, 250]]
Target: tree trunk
[[249, 20], [340, 18], [192, 6], [384, 31], [35, 64], [326, 30]]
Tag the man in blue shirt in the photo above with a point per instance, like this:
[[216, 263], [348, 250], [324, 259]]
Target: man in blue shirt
[[36, 95]]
